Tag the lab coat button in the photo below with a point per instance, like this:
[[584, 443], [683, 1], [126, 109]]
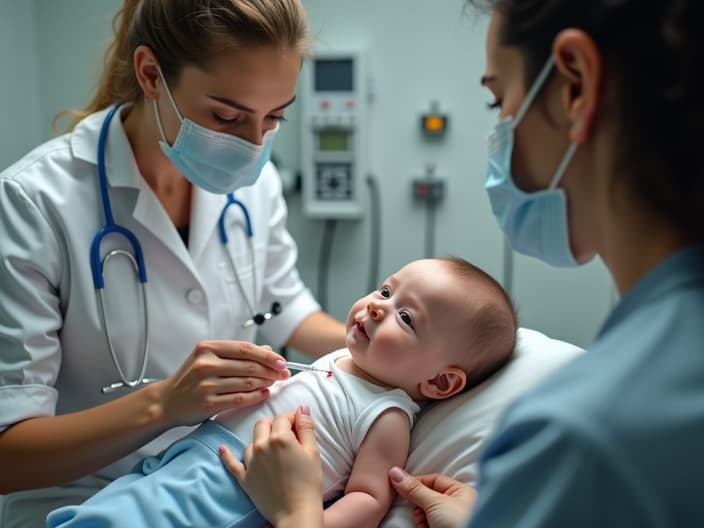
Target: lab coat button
[[194, 296]]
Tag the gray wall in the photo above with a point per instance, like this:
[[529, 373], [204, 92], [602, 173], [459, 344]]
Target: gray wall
[[72, 36], [20, 123], [420, 51]]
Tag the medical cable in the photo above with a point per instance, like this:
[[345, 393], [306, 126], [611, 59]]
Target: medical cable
[[430, 229], [430, 212], [508, 267], [374, 232], [324, 261]]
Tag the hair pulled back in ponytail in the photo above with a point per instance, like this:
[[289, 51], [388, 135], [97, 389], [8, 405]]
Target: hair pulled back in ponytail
[[654, 51], [189, 32]]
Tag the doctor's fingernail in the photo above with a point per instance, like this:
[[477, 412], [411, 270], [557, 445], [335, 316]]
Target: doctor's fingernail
[[305, 410], [280, 364], [397, 474]]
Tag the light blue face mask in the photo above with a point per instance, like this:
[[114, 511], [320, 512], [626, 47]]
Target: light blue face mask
[[534, 223], [217, 162]]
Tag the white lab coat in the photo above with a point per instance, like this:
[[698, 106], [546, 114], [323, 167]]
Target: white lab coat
[[54, 357]]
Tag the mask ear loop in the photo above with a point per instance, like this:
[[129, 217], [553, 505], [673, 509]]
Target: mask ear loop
[[173, 105], [533, 92], [530, 97], [171, 97], [566, 159]]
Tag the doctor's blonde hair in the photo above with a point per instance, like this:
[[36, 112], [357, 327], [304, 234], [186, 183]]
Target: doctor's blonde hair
[[181, 32]]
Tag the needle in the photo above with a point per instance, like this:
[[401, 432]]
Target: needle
[[302, 366]]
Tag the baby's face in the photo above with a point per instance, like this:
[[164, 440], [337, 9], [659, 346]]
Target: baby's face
[[408, 330]]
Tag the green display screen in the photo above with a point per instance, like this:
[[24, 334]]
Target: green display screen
[[333, 140]]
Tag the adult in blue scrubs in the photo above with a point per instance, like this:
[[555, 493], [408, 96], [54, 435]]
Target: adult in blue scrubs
[[598, 150]]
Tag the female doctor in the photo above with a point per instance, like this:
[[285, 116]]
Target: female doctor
[[597, 150], [186, 110]]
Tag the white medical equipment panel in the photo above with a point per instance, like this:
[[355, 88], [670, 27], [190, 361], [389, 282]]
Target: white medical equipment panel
[[332, 142]]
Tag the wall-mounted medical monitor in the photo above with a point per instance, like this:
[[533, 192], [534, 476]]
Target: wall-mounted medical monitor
[[333, 141], [334, 75]]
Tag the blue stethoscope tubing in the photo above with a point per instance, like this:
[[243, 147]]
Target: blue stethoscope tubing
[[110, 225], [257, 318], [137, 259], [97, 266]]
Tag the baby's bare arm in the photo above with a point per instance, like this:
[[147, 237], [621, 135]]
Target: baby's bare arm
[[368, 494]]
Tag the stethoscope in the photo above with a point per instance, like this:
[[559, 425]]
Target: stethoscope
[[136, 258]]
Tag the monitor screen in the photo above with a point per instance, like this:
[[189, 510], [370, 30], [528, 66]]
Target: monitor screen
[[333, 141], [334, 75]]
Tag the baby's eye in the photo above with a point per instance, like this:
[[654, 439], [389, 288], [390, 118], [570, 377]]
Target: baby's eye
[[406, 318], [385, 292]]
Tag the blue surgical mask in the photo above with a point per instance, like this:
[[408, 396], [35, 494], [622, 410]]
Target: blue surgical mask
[[217, 162], [534, 223]]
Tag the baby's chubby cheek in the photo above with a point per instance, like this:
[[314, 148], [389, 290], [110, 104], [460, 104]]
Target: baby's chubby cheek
[[386, 349]]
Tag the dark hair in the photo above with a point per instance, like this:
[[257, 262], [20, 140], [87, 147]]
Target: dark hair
[[491, 328], [189, 32], [654, 51]]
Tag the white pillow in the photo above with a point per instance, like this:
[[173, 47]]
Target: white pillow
[[449, 435]]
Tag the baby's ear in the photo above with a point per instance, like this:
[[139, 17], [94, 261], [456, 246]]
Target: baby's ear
[[447, 383]]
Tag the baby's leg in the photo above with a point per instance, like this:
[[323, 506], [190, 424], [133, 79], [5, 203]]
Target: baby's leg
[[186, 486]]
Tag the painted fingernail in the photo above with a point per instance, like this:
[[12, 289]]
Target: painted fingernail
[[221, 450], [280, 364], [305, 410], [397, 474], [265, 392]]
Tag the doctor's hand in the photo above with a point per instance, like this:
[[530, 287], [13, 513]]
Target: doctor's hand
[[216, 376], [440, 502], [281, 471]]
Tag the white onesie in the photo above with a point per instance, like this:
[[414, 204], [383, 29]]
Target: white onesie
[[343, 406]]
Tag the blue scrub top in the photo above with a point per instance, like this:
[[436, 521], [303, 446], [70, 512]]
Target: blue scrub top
[[616, 438]]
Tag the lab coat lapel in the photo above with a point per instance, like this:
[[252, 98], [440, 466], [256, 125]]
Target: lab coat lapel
[[204, 219], [122, 171], [150, 213]]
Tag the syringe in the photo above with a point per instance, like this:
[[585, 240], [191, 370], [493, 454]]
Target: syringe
[[302, 366]]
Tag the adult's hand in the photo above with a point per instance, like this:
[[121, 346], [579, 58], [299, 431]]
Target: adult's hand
[[281, 472], [440, 502], [217, 376]]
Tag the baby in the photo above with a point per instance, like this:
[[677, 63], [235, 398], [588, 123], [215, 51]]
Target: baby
[[432, 330]]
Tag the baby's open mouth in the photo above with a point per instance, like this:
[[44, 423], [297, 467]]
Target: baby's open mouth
[[361, 330]]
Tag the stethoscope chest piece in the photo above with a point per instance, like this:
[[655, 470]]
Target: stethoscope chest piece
[[260, 318]]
